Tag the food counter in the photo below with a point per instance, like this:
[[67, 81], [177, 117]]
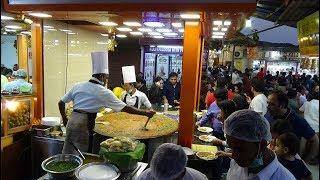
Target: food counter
[[16, 113], [46, 146]]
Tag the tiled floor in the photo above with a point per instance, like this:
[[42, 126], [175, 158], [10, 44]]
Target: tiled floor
[[315, 171]]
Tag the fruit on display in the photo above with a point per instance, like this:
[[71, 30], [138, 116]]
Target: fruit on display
[[119, 144], [21, 115]]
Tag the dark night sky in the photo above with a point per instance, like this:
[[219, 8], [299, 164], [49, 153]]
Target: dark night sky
[[282, 34]]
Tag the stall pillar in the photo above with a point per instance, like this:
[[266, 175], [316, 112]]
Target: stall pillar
[[37, 69], [22, 46], [192, 48]]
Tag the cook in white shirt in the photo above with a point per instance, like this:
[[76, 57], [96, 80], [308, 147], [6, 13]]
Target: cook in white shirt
[[132, 96], [136, 98], [248, 134], [88, 98], [259, 103]]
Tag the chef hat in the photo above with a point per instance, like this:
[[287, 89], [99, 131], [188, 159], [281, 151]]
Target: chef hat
[[247, 125], [128, 74], [168, 161], [100, 63]]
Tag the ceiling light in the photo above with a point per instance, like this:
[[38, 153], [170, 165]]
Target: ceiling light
[[154, 24], [42, 15], [158, 37], [51, 29], [71, 33], [108, 23], [181, 30], [215, 29], [6, 17], [106, 35], [176, 24], [145, 29], [218, 23], [154, 33], [132, 23], [217, 37], [124, 29], [224, 29], [121, 36], [65, 30], [11, 30], [26, 32], [170, 34], [13, 27], [226, 23], [5, 33], [218, 33], [136, 33], [190, 16], [29, 21], [163, 30]]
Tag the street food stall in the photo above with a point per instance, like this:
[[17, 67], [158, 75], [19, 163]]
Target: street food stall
[[308, 38], [62, 38]]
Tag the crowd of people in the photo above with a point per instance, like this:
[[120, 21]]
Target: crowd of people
[[14, 80], [260, 120], [281, 99]]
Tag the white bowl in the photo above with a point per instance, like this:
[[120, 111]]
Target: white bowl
[[205, 129]]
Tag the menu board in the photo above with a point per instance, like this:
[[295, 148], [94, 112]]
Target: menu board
[[162, 66], [149, 66], [176, 64]]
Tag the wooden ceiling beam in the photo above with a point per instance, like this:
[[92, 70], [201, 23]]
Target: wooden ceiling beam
[[160, 7]]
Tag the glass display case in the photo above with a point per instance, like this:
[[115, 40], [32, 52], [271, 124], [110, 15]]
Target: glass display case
[[16, 114]]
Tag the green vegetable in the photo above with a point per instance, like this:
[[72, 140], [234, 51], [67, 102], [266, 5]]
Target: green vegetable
[[61, 166]]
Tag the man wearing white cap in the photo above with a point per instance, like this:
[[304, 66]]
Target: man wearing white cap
[[248, 134], [132, 96], [88, 98]]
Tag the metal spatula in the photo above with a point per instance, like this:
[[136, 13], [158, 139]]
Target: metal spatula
[[145, 125]]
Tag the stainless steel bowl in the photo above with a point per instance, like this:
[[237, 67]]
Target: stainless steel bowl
[[113, 167], [61, 157]]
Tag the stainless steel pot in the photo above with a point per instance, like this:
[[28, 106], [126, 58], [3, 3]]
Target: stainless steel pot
[[61, 157]]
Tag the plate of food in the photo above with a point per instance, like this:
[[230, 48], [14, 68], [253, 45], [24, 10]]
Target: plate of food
[[207, 138], [206, 155], [205, 129]]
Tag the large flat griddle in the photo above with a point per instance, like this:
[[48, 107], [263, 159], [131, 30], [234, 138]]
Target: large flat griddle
[[129, 125]]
